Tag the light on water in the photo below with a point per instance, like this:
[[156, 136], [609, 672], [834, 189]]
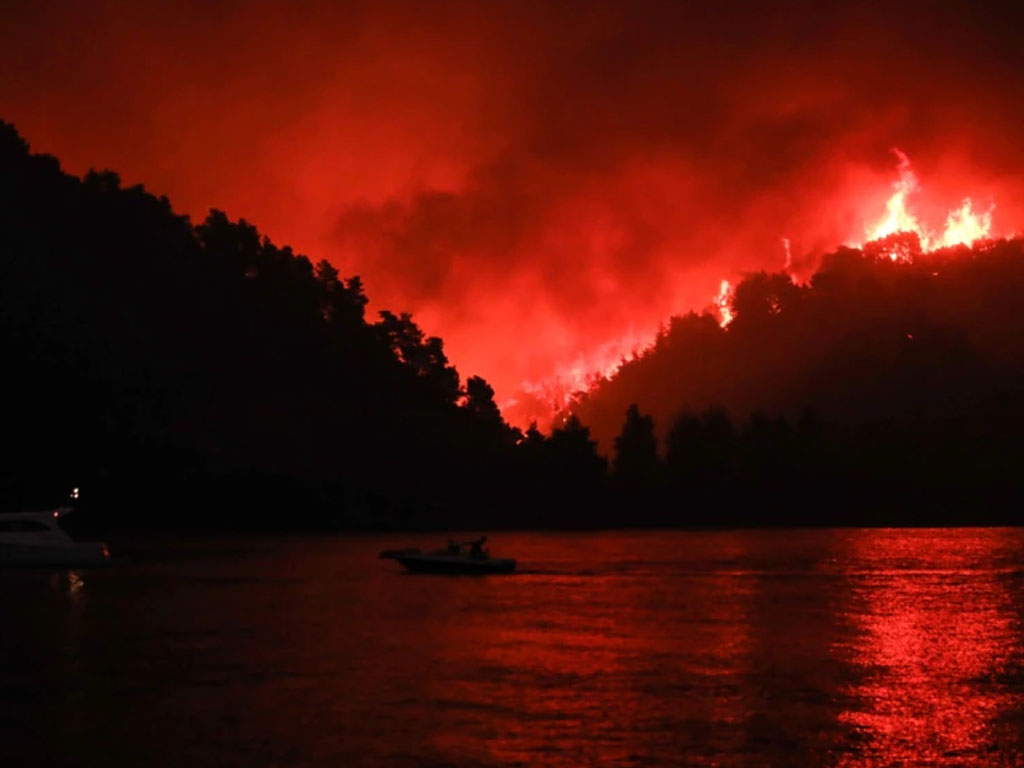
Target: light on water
[[843, 648]]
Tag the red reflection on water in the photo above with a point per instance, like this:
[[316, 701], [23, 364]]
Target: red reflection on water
[[728, 649], [586, 668], [938, 629]]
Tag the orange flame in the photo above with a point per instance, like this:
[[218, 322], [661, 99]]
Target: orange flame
[[723, 303], [963, 225], [897, 218]]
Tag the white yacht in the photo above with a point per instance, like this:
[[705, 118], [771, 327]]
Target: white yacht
[[35, 538]]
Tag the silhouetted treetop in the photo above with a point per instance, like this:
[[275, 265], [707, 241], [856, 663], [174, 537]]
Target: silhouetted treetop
[[636, 459]]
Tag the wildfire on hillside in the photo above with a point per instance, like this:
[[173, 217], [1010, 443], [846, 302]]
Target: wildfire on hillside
[[963, 225], [899, 234]]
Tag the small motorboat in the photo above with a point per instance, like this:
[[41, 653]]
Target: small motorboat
[[35, 538], [458, 557]]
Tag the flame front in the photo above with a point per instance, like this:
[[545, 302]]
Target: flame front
[[897, 218], [963, 226], [580, 373]]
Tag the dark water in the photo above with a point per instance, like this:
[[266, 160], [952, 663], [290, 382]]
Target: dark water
[[816, 648]]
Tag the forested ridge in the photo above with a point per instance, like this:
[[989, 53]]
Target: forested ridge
[[199, 377], [890, 387]]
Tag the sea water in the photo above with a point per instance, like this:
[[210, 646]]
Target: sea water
[[731, 648]]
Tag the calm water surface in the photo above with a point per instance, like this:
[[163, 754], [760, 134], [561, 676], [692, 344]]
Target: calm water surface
[[816, 648]]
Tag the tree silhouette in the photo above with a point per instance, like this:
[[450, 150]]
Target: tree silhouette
[[636, 462], [762, 296], [574, 459], [424, 357], [701, 459]]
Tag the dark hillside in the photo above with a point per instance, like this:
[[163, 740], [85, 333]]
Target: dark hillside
[[202, 376], [893, 390]]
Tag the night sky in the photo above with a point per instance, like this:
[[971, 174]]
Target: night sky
[[541, 184]]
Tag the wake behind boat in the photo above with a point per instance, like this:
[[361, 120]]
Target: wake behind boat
[[35, 538], [458, 557]]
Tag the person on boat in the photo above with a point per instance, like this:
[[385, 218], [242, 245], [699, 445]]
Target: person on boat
[[476, 548]]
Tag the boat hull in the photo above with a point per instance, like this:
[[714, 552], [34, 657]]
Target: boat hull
[[428, 564]]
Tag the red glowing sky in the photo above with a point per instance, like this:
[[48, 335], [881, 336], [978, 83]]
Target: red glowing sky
[[539, 183]]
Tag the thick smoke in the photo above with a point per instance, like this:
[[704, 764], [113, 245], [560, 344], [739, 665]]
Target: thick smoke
[[541, 184]]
